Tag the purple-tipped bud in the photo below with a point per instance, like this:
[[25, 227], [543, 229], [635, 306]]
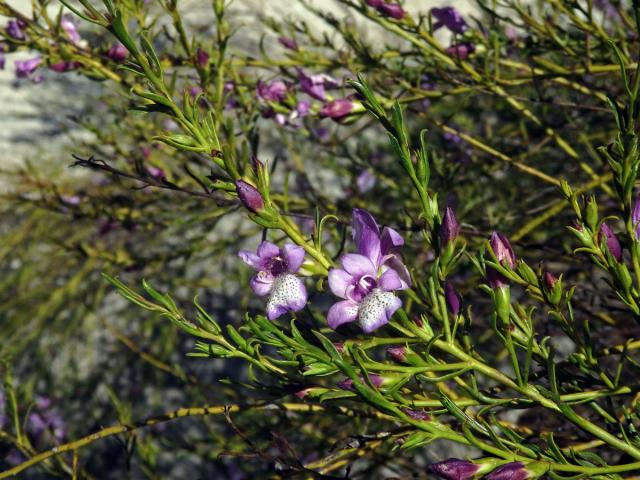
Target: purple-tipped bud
[[509, 471], [118, 52], [452, 298], [450, 18], [398, 354], [347, 384], [392, 10], [275, 91], [505, 256], [15, 29], [461, 50], [417, 414], [202, 58], [450, 227], [62, 67], [336, 109], [635, 218], [249, 196], [289, 43], [454, 469], [612, 242], [550, 280], [24, 68], [374, 3]]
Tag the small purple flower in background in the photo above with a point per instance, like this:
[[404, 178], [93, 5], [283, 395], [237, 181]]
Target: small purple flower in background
[[368, 278], [392, 10], [44, 417], [452, 299], [417, 414], [454, 469], [68, 25], [450, 228], [635, 218], [65, 66], [15, 29], [365, 181], [118, 52], [276, 277], [249, 196], [509, 471], [505, 255], [70, 199], [289, 43], [25, 68], [347, 384], [3, 409], [460, 50], [612, 242], [337, 110], [155, 172], [274, 91], [374, 3], [314, 85], [202, 58], [450, 18]]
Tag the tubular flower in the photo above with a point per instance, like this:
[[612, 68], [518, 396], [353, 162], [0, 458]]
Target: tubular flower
[[509, 471], [118, 52], [368, 278], [275, 277], [450, 228]]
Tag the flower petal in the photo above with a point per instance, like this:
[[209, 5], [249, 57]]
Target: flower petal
[[342, 312], [268, 250], [376, 310], [366, 234], [288, 294], [339, 281], [261, 283], [250, 258], [390, 280], [395, 262], [389, 239], [358, 265], [294, 256]]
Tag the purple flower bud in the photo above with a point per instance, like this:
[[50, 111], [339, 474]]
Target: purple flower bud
[[417, 414], [274, 91], [336, 109], [62, 67], [454, 469], [392, 10], [347, 384], [24, 68], [635, 218], [450, 227], [118, 52], [397, 354], [505, 256], [70, 29], [289, 43], [549, 280], [452, 298], [365, 181], [202, 58], [612, 242], [374, 3], [450, 18], [509, 471], [461, 50], [15, 29], [249, 196]]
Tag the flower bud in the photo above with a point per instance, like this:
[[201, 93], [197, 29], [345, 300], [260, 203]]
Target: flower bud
[[454, 469], [392, 10], [398, 354], [452, 298], [611, 241], [550, 280], [336, 109], [505, 256], [202, 58], [509, 471], [417, 414], [249, 196], [347, 384], [591, 213], [289, 43], [450, 227], [461, 50], [635, 218]]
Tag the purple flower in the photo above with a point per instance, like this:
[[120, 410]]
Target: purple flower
[[450, 18], [550, 280], [118, 52], [314, 85], [461, 50], [454, 469], [365, 181], [24, 68], [202, 58], [635, 218], [64, 66], [15, 29], [374, 3], [612, 242], [368, 278], [347, 384], [249, 196], [336, 109], [70, 29], [505, 256], [275, 277], [452, 299], [274, 91], [289, 43], [398, 354], [392, 10], [417, 414], [450, 227], [509, 471], [2, 59]]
